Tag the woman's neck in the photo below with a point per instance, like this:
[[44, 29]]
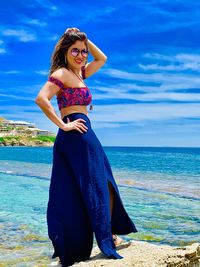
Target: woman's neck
[[75, 70]]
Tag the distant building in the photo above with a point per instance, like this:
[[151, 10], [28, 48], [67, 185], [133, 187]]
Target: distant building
[[16, 123], [45, 132], [10, 127]]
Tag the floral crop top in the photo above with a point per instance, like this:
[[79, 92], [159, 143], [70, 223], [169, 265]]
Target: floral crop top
[[68, 96]]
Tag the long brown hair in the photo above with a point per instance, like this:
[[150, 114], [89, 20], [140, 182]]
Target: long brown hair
[[60, 50]]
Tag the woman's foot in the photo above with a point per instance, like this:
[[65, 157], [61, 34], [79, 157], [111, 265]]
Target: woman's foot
[[117, 240], [55, 263], [59, 262]]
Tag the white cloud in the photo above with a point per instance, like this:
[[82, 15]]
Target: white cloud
[[157, 96], [121, 113], [109, 9], [143, 112], [47, 4], [181, 62], [160, 67], [161, 86], [15, 97], [42, 72], [167, 81], [53, 37], [97, 15], [165, 96], [21, 35], [150, 125], [160, 57], [2, 50], [36, 22], [188, 57], [2, 47], [19, 97], [11, 72], [111, 115]]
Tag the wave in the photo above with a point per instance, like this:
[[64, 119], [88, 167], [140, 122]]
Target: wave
[[126, 184], [24, 175]]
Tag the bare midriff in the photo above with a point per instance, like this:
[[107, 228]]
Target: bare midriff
[[72, 109]]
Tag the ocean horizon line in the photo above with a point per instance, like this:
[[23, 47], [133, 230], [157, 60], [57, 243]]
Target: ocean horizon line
[[195, 147]]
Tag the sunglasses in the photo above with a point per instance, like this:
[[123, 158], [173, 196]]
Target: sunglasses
[[75, 52]]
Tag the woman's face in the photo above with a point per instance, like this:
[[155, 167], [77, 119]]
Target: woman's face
[[76, 61]]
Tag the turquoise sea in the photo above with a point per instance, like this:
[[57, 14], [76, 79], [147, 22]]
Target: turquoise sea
[[160, 188]]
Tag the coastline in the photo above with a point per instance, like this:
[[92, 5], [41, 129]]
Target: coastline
[[144, 254], [134, 253], [23, 133], [21, 141], [140, 253]]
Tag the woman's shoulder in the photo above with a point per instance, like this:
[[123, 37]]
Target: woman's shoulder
[[61, 74]]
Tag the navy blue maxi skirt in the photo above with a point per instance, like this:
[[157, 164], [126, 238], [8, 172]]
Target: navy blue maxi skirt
[[79, 200]]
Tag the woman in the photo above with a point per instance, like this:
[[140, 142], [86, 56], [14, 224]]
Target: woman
[[83, 195]]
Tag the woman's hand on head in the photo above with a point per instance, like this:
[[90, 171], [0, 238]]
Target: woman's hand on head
[[72, 30], [75, 125]]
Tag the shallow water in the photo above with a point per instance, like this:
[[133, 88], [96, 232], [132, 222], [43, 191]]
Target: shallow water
[[159, 188]]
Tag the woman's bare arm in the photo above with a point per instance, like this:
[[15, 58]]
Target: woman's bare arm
[[99, 59], [43, 101]]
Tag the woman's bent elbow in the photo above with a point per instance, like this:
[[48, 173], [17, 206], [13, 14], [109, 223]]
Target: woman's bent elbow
[[38, 100]]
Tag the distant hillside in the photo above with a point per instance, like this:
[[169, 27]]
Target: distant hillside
[[22, 133]]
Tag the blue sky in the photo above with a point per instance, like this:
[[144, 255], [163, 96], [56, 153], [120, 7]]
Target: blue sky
[[147, 93]]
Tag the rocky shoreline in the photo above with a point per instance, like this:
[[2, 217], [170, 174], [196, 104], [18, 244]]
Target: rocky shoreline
[[23, 133], [144, 254], [26, 141]]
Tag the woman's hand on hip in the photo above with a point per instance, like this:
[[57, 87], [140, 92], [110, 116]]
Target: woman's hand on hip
[[75, 125]]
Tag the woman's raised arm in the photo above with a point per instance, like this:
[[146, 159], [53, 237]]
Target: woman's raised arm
[[99, 59]]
